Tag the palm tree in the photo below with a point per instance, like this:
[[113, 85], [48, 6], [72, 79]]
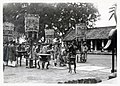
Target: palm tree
[[113, 11], [113, 35]]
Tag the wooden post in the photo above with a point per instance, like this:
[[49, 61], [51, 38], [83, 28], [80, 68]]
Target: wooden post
[[102, 45], [31, 61], [76, 32], [113, 70], [95, 45], [91, 47]]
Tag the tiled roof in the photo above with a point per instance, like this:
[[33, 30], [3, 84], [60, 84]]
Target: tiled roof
[[70, 35], [93, 33]]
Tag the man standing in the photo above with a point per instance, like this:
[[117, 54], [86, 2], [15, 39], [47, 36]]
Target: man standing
[[5, 54], [12, 54], [84, 49], [56, 53], [72, 56], [44, 58]]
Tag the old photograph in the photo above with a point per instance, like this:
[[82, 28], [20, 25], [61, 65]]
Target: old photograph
[[59, 43]]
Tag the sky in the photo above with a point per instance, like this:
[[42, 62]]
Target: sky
[[103, 9]]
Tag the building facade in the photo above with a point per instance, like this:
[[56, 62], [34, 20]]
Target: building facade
[[96, 38]]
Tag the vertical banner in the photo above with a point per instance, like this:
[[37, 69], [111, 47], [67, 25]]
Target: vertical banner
[[8, 31], [80, 30], [8, 28], [31, 22], [49, 35]]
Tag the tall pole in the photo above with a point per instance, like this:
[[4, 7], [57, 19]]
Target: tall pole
[[113, 70], [76, 32]]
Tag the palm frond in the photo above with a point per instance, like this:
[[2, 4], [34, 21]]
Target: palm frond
[[112, 7], [111, 11], [111, 16]]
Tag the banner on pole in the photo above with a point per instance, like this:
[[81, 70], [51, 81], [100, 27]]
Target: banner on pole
[[8, 28], [31, 22], [80, 30], [49, 35], [49, 32]]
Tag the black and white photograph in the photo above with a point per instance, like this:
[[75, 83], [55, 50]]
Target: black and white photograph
[[60, 42]]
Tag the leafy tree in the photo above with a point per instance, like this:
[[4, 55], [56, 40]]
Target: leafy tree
[[59, 16]]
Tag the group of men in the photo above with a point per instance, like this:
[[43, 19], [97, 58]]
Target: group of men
[[9, 54], [61, 58]]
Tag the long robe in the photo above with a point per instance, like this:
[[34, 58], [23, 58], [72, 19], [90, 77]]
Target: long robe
[[5, 53], [12, 53]]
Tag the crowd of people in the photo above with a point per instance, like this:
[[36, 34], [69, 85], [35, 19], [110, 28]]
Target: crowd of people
[[9, 51], [60, 55]]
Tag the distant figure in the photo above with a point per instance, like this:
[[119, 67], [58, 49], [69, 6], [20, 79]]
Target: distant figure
[[5, 54], [34, 57], [12, 55], [84, 50], [63, 59], [27, 49], [45, 59], [56, 53], [19, 48], [37, 56], [49, 51], [19, 55]]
